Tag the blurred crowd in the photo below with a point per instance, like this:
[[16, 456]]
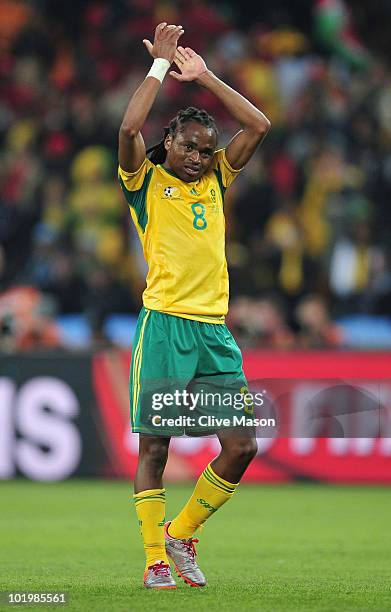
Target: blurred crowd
[[308, 222]]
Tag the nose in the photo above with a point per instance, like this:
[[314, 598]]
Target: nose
[[195, 156]]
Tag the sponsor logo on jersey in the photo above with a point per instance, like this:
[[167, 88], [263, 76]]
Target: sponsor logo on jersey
[[214, 208], [171, 193]]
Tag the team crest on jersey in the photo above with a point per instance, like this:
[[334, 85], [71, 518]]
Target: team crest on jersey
[[173, 193]]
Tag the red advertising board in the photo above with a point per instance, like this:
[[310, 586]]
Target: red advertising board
[[332, 413]]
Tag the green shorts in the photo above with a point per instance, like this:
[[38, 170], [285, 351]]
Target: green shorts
[[186, 377]]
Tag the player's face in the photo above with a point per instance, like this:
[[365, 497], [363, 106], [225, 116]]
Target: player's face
[[190, 152]]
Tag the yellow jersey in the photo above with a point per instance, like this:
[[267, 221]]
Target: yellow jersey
[[181, 227]]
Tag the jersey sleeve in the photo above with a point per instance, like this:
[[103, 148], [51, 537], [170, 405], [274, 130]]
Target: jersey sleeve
[[224, 171], [133, 181], [135, 188]]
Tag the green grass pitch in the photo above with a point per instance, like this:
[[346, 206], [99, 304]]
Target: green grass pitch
[[296, 547]]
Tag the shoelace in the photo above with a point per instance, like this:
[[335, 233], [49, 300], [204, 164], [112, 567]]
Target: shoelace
[[160, 569], [191, 549]]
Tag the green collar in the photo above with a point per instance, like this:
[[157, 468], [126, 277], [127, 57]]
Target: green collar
[[169, 171], [172, 173]]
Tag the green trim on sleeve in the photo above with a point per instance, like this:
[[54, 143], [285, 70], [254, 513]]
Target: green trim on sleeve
[[137, 199], [219, 177]]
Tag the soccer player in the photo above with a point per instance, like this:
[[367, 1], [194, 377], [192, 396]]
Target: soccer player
[[176, 199]]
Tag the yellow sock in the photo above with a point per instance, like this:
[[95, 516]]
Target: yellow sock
[[209, 494], [150, 508]]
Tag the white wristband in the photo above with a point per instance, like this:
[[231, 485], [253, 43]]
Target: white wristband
[[159, 68]]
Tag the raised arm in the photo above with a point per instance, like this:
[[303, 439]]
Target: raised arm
[[131, 150], [253, 122]]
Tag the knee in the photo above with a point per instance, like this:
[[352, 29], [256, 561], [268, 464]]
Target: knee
[[243, 451], [155, 454]]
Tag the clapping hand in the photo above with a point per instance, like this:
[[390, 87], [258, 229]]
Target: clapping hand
[[165, 41], [190, 64]]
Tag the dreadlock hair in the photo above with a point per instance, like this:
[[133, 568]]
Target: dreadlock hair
[[157, 154]]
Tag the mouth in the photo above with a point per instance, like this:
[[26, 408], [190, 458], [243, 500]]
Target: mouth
[[192, 170]]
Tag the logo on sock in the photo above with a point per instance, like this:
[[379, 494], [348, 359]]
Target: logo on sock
[[206, 505]]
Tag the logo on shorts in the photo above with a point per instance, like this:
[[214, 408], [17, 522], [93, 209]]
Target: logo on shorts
[[248, 402]]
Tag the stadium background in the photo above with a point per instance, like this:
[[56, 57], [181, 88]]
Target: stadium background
[[308, 231], [308, 248]]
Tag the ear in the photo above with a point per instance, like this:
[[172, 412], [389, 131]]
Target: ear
[[168, 142]]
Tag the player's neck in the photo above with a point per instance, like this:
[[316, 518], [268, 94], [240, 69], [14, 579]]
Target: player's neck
[[170, 171], [167, 168]]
